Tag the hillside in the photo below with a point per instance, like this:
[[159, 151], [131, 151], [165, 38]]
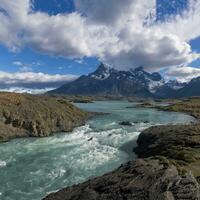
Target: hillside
[[23, 115]]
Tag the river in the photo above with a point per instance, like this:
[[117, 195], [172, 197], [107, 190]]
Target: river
[[31, 168]]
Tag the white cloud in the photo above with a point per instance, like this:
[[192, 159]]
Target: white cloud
[[182, 74], [33, 79], [185, 25], [26, 90], [23, 67], [62, 35], [121, 33], [17, 63], [115, 12]]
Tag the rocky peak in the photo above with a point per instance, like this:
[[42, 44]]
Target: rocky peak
[[141, 72], [102, 72], [174, 84], [156, 76], [194, 80], [139, 69]]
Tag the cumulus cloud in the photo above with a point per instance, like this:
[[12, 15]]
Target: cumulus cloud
[[33, 80], [182, 74], [115, 12], [121, 33], [62, 35], [185, 25]]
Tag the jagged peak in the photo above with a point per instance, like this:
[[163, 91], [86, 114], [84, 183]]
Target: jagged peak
[[102, 72], [173, 81], [175, 84], [102, 67], [139, 68]]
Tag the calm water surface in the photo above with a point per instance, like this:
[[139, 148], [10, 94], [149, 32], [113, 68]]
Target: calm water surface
[[31, 168]]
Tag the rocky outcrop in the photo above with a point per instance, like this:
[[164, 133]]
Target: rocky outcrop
[[180, 142], [23, 115], [125, 123], [137, 180]]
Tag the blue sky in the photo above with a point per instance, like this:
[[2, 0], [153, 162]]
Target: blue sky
[[54, 7], [28, 58], [48, 64], [39, 62]]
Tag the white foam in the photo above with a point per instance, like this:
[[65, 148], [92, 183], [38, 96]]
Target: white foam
[[3, 163], [58, 172], [111, 124]]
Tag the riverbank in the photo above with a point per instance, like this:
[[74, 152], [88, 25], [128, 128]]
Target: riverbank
[[179, 144], [168, 156], [24, 115]]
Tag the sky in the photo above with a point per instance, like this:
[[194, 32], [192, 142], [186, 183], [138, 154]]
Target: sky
[[44, 44]]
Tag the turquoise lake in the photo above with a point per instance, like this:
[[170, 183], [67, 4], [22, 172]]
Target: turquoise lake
[[31, 168]]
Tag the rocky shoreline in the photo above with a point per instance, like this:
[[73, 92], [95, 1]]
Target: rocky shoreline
[[24, 115], [167, 168], [138, 180]]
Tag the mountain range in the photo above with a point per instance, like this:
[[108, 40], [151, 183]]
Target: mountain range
[[134, 82]]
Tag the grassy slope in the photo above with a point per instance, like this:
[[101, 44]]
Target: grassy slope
[[36, 116]]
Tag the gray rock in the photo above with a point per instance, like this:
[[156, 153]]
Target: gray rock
[[125, 123]]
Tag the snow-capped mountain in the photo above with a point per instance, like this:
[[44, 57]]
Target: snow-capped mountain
[[134, 82], [102, 72], [109, 81], [138, 75]]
